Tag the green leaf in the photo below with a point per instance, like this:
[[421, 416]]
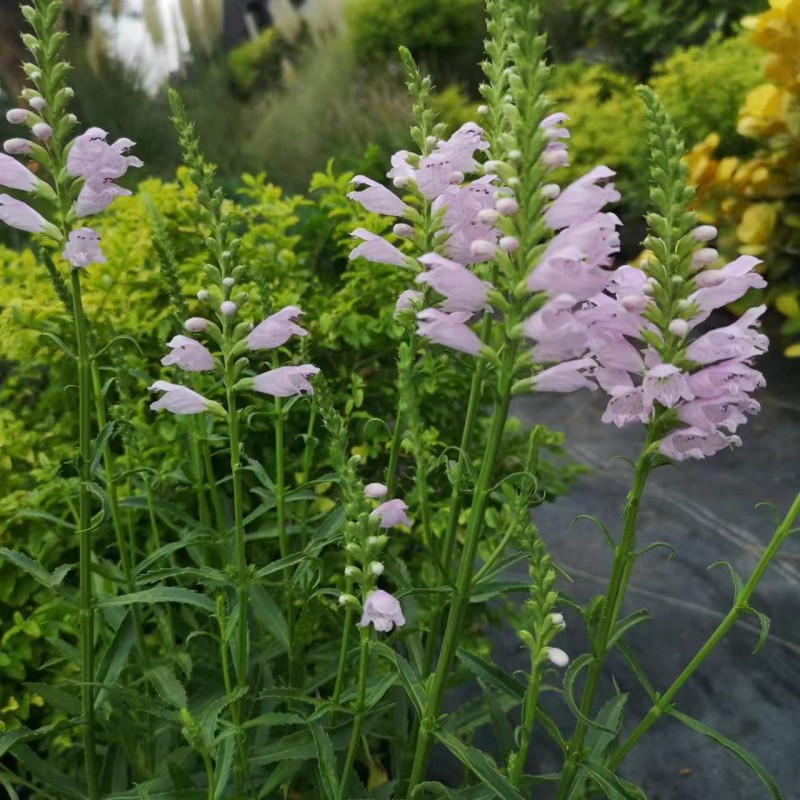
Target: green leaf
[[34, 569], [47, 774], [625, 624], [168, 686], [21, 735], [637, 670], [326, 762], [737, 750], [481, 764], [208, 719], [409, 679], [492, 675], [737, 581], [270, 617], [613, 787], [195, 537], [610, 715], [282, 773], [500, 723], [599, 525], [115, 657], [569, 682], [162, 594], [222, 769], [765, 622]]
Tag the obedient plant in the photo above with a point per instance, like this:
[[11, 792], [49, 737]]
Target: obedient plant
[[245, 630]]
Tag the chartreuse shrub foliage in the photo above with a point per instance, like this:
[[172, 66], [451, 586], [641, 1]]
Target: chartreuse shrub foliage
[[263, 490]]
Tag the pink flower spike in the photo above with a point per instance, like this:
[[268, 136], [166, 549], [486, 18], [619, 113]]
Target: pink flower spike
[[568, 376], [582, 199], [377, 198], [448, 330], [83, 248], [738, 340], [17, 214], [375, 491], [407, 300], [695, 443], [16, 176], [286, 381], [383, 611], [375, 248], [276, 329], [391, 514], [189, 355], [178, 399], [666, 384]]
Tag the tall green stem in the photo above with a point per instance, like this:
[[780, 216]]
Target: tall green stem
[[528, 718], [617, 586], [86, 612], [740, 607], [358, 718], [455, 618]]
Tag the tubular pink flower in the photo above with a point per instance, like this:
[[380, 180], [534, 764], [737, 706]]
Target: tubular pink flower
[[567, 271], [695, 443], [83, 248], [286, 381], [728, 378], [738, 340], [383, 611], [42, 131], [392, 513], [189, 355], [666, 384], [375, 491], [16, 146], [17, 214], [460, 148], [434, 175], [178, 399], [718, 287], [462, 290], [16, 176], [376, 248], [377, 198], [582, 199], [276, 329], [626, 406], [448, 330], [712, 413], [407, 300], [92, 201], [17, 116], [461, 243], [196, 324], [400, 166], [465, 203], [569, 376], [98, 162]]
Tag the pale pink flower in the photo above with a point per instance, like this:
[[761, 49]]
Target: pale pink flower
[[627, 405], [462, 239], [178, 399], [286, 381], [604, 315], [695, 443], [400, 166], [377, 198], [392, 513], [730, 377], [17, 116], [375, 491], [568, 271], [666, 384], [407, 300], [16, 146], [376, 248], [17, 214], [16, 176], [42, 131], [738, 340], [615, 352], [460, 148], [464, 203], [276, 329], [189, 355], [434, 175], [98, 162], [718, 287], [726, 412], [569, 376], [582, 199], [383, 611], [83, 248], [558, 333], [627, 281], [196, 324], [462, 290], [448, 330], [93, 200]]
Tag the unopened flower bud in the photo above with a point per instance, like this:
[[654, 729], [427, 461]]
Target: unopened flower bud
[[228, 282], [196, 324], [72, 119], [488, 215], [37, 102], [36, 76], [228, 308], [457, 177], [679, 327], [352, 547], [509, 244], [376, 568], [551, 191], [69, 91], [555, 158], [557, 619], [42, 131], [374, 541], [557, 657], [401, 181], [430, 140], [507, 206], [350, 572], [202, 295], [348, 600], [515, 155], [16, 116], [634, 303], [483, 249], [704, 257], [375, 491], [649, 287], [403, 229], [16, 147], [705, 233], [495, 166], [483, 110]]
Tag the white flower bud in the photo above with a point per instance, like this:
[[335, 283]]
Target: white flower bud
[[42, 131], [37, 102], [483, 249], [16, 147], [557, 657], [507, 206], [558, 619], [36, 76], [16, 116], [457, 177], [373, 541], [705, 233], [495, 166], [69, 92], [228, 282], [515, 155], [431, 140], [512, 182], [555, 158], [488, 215], [551, 191], [72, 119], [349, 571], [679, 327], [196, 324], [376, 568], [228, 308], [375, 491], [352, 547], [403, 229], [401, 181], [635, 303], [509, 244], [483, 110], [202, 295], [704, 257]]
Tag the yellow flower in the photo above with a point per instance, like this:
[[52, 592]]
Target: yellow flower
[[764, 111], [757, 225]]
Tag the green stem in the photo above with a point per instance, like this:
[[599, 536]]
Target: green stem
[[358, 718], [528, 718], [86, 612], [216, 502], [212, 781], [394, 454], [308, 457], [617, 586], [458, 607], [342, 666], [741, 607], [199, 477]]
